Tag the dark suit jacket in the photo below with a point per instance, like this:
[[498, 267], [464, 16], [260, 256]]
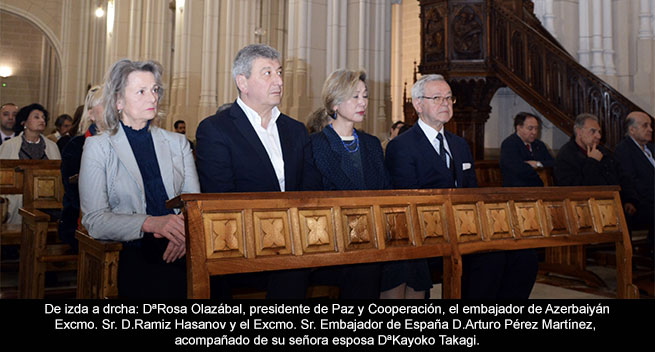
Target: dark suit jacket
[[339, 174], [71, 158], [574, 168], [413, 162], [637, 181], [516, 172], [231, 158]]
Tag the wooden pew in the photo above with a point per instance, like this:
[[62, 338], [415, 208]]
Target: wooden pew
[[41, 249], [250, 232], [97, 267]]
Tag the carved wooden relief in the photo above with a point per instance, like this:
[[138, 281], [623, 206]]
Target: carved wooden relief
[[498, 220], [7, 178], [317, 230], [582, 217], [609, 218], [556, 218], [45, 188], [224, 234], [434, 26], [432, 220], [467, 33], [272, 233], [359, 231], [528, 219], [397, 223], [467, 223]]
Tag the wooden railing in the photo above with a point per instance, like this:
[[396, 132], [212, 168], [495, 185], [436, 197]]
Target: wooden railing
[[539, 70]]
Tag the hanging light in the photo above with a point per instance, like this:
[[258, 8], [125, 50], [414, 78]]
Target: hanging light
[[100, 12]]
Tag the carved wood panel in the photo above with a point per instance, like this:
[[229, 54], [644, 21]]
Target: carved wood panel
[[527, 214], [607, 215], [582, 217], [272, 233], [224, 234], [467, 223], [398, 226], [432, 220], [317, 230], [358, 228], [556, 218], [498, 219]]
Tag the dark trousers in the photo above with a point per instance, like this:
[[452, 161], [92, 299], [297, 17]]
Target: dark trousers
[[143, 274], [499, 275], [358, 281], [281, 284]]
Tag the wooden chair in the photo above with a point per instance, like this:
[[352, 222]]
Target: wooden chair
[[250, 232]]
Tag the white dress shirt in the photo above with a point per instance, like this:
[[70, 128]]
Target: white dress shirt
[[431, 133], [646, 152], [269, 137]]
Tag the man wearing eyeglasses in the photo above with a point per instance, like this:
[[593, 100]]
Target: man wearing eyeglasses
[[428, 156]]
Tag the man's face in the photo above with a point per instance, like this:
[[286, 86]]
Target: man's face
[[181, 128], [264, 86], [642, 129], [8, 116], [65, 127], [589, 134], [429, 110], [529, 131]]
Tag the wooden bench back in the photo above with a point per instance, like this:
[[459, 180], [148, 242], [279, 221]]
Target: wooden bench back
[[249, 232], [488, 174], [39, 181]]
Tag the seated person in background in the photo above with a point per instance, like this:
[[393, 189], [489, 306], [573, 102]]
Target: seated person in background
[[522, 153], [582, 161], [92, 116], [8, 113], [29, 143], [635, 157], [349, 160], [180, 127], [63, 124], [393, 133], [127, 174], [77, 116]]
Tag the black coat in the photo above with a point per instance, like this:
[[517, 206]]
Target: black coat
[[516, 172], [329, 154], [637, 181], [574, 168]]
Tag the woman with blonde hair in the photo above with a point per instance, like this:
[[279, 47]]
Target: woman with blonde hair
[[349, 159], [128, 172], [88, 125]]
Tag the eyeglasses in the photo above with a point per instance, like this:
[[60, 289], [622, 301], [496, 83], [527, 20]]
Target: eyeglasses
[[439, 100]]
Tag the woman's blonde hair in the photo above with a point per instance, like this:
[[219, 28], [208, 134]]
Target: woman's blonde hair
[[93, 98], [339, 87], [115, 88]]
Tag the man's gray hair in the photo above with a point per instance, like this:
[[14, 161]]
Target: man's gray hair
[[243, 61], [418, 89], [582, 118]]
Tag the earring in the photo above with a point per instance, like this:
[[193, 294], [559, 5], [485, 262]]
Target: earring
[[334, 116]]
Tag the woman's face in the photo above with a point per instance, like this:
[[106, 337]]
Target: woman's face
[[140, 99], [354, 109], [96, 112], [35, 121]]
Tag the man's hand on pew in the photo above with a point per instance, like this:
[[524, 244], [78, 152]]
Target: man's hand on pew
[[168, 226]]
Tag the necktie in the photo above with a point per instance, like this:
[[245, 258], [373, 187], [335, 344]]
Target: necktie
[[529, 147], [649, 155], [6, 138], [441, 150]]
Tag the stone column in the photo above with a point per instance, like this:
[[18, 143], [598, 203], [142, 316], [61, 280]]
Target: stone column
[[608, 48], [209, 84], [597, 65], [583, 51]]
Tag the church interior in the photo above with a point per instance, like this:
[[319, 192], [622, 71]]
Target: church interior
[[552, 58]]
